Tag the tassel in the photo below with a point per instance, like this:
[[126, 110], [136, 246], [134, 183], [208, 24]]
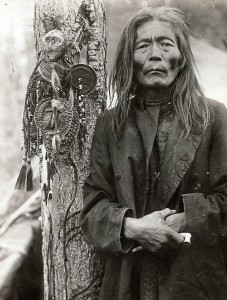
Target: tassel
[[54, 146], [50, 196], [55, 80], [50, 173], [29, 176], [83, 55], [50, 170], [71, 96], [56, 142], [22, 132], [21, 180]]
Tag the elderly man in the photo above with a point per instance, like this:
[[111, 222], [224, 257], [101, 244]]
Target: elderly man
[[158, 168]]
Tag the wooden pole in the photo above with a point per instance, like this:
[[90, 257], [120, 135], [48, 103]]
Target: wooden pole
[[72, 269]]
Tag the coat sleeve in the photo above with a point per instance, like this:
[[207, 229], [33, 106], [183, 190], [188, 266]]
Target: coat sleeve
[[102, 215], [206, 215]]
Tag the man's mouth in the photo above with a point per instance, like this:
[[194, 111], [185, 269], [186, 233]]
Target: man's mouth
[[155, 71]]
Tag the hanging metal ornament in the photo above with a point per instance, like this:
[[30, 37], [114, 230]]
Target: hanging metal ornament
[[48, 81], [84, 74], [54, 118], [82, 79], [54, 110], [63, 153]]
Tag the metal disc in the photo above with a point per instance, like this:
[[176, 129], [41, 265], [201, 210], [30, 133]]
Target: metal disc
[[86, 74], [44, 112]]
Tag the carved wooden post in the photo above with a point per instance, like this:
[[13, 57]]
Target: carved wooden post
[[72, 270]]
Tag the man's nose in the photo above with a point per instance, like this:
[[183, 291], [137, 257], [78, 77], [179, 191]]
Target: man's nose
[[154, 53]]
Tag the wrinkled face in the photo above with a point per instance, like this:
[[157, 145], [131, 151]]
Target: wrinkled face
[[55, 45], [156, 55]]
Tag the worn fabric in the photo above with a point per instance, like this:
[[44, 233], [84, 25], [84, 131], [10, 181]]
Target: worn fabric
[[148, 265], [165, 119], [193, 179]]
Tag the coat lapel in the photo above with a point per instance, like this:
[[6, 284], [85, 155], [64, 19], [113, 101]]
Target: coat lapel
[[179, 154], [147, 122], [132, 156], [130, 166]]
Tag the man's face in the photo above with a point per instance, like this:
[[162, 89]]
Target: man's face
[[156, 55]]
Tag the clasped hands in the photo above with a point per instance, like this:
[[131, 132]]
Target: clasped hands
[[156, 231]]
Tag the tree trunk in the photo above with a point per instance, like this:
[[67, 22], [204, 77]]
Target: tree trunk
[[72, 269]]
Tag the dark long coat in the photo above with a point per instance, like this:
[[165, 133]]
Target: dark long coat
[[194, 174]]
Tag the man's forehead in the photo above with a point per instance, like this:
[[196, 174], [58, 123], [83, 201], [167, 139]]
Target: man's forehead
[[154, 29]]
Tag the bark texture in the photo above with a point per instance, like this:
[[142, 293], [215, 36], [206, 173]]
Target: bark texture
[[72, 269]]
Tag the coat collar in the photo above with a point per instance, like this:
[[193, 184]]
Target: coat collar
[[147, 122]]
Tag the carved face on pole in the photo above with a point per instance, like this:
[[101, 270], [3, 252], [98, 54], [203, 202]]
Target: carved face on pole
[[54, 45]]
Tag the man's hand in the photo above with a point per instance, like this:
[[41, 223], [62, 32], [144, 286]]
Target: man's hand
[[176, 222], [152, 232]]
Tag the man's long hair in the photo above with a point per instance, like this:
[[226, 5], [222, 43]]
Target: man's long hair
[[188, 98]]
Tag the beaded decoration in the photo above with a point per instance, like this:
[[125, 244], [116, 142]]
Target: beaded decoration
[[54, 111], [82, 79]]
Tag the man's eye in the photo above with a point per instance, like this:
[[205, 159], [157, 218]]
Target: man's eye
[[166, 44], [142, 46]]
